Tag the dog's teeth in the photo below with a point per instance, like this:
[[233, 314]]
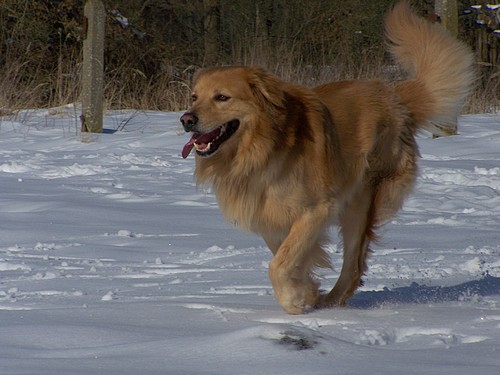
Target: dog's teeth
[[203, 149]]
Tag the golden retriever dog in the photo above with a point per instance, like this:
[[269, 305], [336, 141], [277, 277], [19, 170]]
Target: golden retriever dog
[[287, 162]]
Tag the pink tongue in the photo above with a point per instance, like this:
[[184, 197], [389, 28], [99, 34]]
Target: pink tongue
[[200, 139], [186, 150]]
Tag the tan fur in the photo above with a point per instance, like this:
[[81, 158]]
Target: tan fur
[[340, 154]]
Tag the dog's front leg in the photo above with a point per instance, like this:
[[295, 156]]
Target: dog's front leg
[[290, 269]]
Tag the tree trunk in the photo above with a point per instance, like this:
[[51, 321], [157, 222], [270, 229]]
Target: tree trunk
[[447, 10], [211, 31], [93, 67]]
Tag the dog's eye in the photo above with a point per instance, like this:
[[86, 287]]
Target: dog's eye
[[194, 98], [221, 98]]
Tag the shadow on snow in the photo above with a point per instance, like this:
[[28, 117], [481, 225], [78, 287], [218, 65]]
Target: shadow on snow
[[416, 293]]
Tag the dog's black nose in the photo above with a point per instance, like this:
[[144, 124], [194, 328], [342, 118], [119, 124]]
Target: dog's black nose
[[189, 121]]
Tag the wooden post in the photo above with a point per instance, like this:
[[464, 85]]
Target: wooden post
[[93, 66], [211, 31], [447, 10]]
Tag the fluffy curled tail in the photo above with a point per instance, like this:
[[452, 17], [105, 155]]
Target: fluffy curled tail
[[440, 68]]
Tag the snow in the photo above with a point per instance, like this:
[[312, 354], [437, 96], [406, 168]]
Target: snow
[[111, 261]]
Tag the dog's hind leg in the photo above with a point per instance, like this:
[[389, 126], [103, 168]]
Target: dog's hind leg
[[357, 225], [373, 205]]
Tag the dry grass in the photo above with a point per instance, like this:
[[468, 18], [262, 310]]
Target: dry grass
[[309, 43], [37, 90], [486, 95], [158, 93], [171, 92]]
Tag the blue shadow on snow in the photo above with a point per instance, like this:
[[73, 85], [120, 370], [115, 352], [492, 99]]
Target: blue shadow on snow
[[416, 293]]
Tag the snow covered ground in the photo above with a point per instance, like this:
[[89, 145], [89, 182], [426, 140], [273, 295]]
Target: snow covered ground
[[111, 262]]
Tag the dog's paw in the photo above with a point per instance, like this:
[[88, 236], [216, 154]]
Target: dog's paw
[[326, 301], [295, 290], [297, 297]]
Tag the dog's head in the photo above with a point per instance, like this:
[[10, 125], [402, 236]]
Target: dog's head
[[225, 102]]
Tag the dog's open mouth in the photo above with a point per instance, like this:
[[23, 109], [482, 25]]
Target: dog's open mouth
[[206, 144]]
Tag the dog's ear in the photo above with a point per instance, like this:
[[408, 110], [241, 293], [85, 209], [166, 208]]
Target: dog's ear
[[266, 87]]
